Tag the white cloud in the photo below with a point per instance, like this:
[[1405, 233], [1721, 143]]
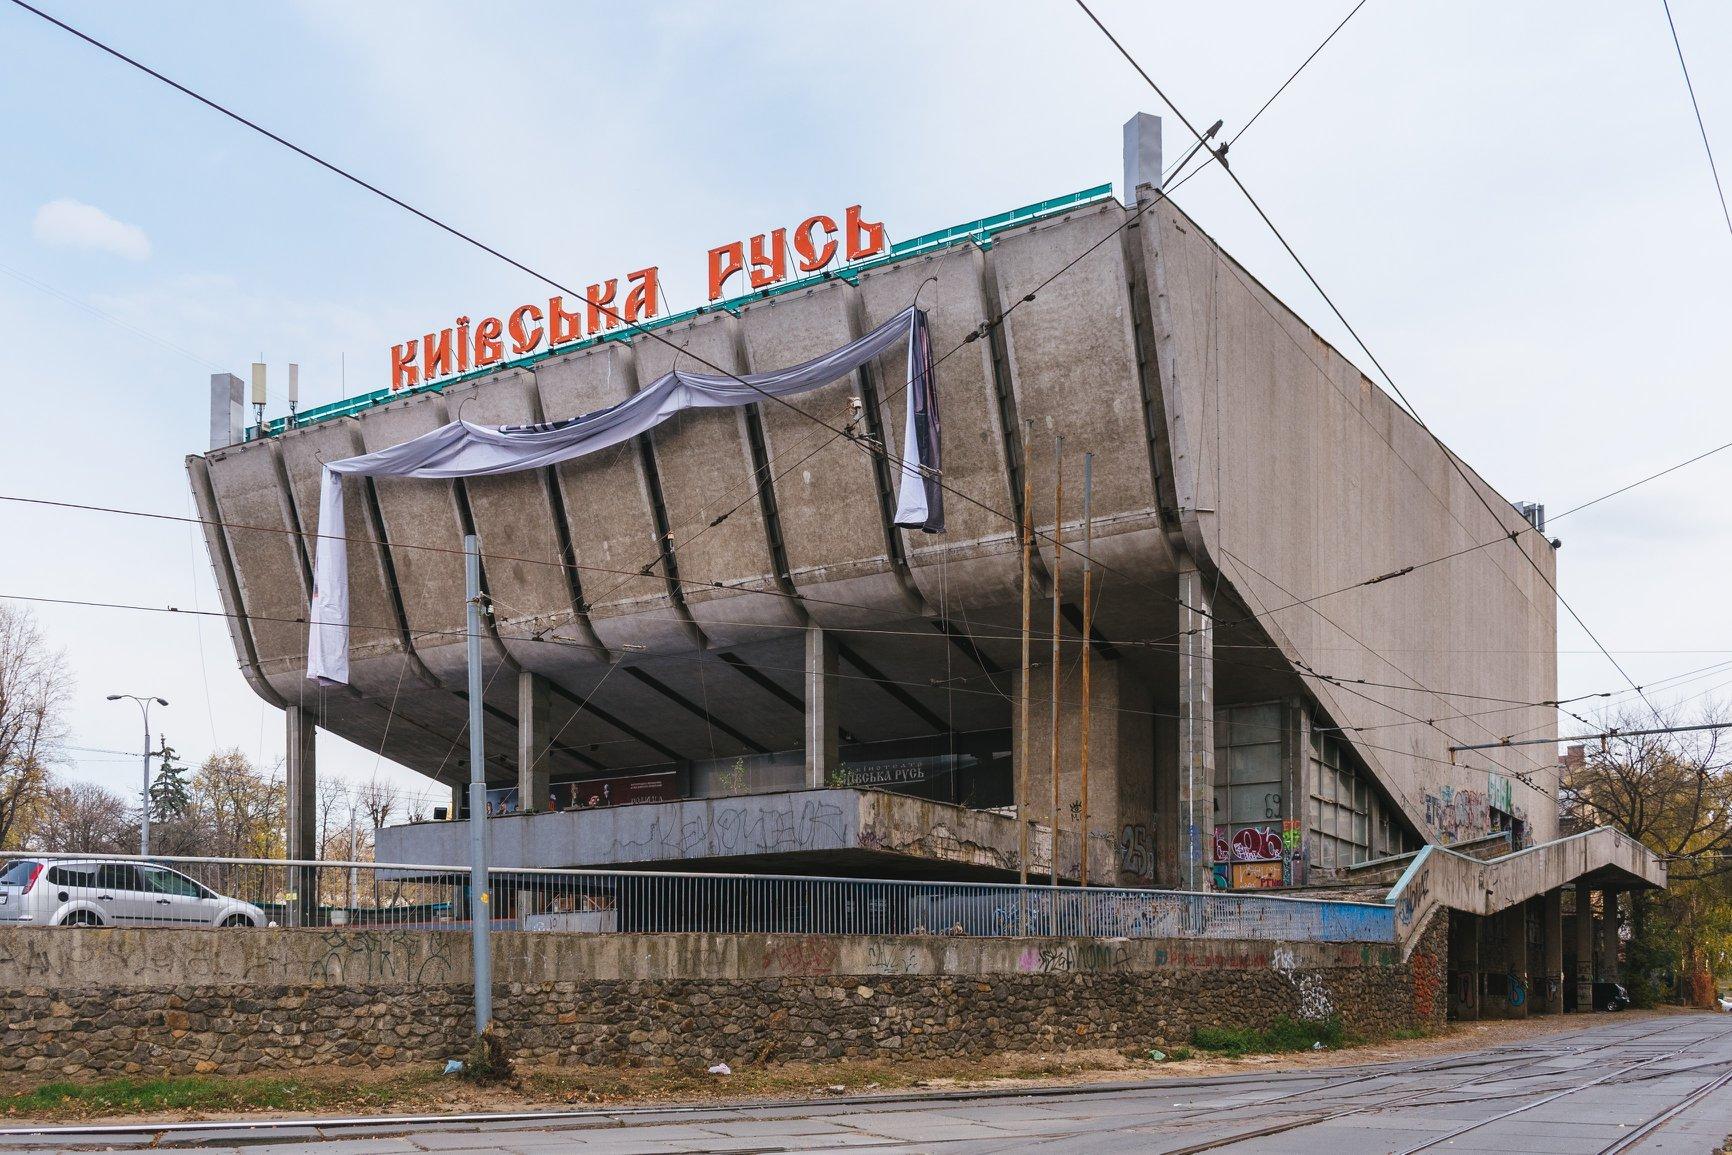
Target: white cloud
[[74, 224]]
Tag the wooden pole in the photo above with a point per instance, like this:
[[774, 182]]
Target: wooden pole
[[1087, 645], [1022, 807], [1057, 599]]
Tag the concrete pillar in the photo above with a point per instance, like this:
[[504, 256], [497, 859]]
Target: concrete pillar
[[301, 787], [1516, 961], [823, 734], [1122, 841], [1142, 155], [532, 742], [1552, 922], [1169, 830], [1196, 729], [1471, 968], [1609, 935], [228, 411], [1584, 948], [1296, 773], [459, 795]]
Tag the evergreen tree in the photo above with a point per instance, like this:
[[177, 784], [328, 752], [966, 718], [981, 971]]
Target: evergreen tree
[[170, 796]]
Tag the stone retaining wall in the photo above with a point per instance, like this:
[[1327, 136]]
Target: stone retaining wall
[[83, 1004]]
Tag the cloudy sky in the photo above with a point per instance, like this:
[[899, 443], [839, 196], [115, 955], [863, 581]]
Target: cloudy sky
[[1510, 202]]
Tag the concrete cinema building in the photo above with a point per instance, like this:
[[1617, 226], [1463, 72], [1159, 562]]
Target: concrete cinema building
[[686, 665]]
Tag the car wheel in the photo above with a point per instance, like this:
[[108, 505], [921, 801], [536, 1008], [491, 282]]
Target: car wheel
[[237, 920], [82, 918]]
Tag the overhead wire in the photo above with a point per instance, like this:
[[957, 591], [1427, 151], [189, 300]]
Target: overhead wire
[[421, 634], [339, 171], [648, 332], [861, 677], [1360, 341], [1696, 107], [1403, 571], [1351, 13]]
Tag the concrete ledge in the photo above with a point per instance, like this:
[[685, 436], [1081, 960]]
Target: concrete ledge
[[811, 827], [46, 958]]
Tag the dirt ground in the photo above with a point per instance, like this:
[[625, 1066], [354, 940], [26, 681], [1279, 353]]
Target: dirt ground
[[407, 1089]]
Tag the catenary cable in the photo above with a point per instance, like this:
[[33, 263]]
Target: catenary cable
[[613, 314], [1697, 109], [1354, 333]]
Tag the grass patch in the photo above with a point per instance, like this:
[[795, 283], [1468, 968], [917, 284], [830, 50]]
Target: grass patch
[[1284, 1034], [144, 1096]]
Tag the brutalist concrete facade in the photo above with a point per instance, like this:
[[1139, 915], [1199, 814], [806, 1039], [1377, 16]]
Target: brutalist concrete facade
[[693, 601]]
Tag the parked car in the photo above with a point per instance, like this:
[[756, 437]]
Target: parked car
[[70, 892], [1610, 997]]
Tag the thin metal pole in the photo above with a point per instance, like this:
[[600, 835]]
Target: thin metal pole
[[144, 827], [1087, 645], [1057, 598], [478, 890], [1022, 800], [1601, 737]]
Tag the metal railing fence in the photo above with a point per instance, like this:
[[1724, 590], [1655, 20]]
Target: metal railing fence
[[292, 893]]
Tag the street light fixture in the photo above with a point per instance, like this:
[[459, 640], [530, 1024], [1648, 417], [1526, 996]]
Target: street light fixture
[[144, 704]]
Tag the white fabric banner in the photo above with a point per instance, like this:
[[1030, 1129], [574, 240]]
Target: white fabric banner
[[462, 449]]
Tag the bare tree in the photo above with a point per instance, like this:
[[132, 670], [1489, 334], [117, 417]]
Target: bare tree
[[34, 686], [82, 817], [1673, 793], [336, 815], [379, 800], [238, 810]]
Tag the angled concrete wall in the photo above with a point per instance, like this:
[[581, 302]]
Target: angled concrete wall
[[1296, 476]]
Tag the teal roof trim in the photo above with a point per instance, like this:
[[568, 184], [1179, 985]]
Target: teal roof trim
[[980, 232]]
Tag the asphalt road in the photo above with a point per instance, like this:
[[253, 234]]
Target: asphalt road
[[1617, 1085]]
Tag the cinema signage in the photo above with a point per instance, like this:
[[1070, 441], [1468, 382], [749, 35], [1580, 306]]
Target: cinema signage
[[816, 242]]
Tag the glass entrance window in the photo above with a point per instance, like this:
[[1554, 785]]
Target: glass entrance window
[[1248, 797]]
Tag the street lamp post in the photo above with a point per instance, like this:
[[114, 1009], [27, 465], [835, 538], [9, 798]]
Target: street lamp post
[[144, 704]]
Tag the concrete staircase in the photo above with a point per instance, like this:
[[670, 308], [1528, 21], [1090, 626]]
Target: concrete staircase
[[1443, 878]]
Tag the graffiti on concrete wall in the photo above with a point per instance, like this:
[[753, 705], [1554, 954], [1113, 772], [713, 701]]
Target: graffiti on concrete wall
[[383, 957], [1257, 844], [892, 960], [1457, 814], [1137, 851], [1293, 858], [749, 828], [1070, 957], [1414, 898], [801, 956]]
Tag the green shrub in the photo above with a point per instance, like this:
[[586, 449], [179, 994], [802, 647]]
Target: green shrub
[[1284, 1034]]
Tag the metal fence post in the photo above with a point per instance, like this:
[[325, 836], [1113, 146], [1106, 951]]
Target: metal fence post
[[479, 904]]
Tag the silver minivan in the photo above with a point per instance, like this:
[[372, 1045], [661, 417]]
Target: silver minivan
[[73, 892]]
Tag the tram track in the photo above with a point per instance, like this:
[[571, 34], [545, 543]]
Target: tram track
[[1299, 1100]]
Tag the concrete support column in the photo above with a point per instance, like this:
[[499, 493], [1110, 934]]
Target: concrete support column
[[1121, 840], [1471, 967], [823, 733], [1196, 729], [459, 795], [1520, 996], [1584, 948], [302, 790], [1552, 921], [1609, 935], [532, 742], [1296, 782]]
